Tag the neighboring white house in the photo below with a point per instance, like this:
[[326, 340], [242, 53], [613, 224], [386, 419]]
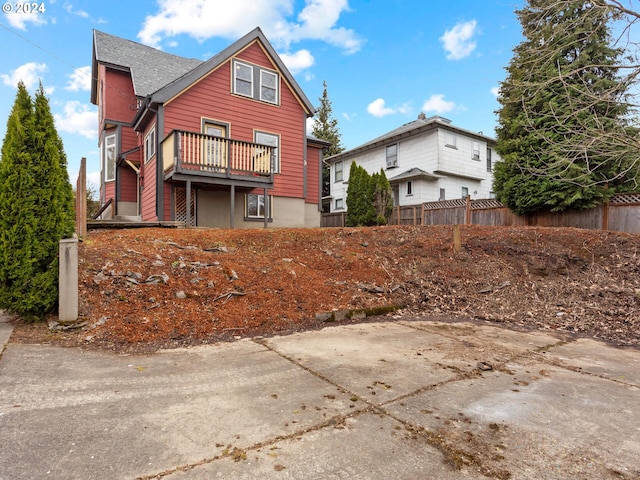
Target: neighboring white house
[[425, 160]]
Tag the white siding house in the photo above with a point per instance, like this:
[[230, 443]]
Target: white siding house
[[425, 160]]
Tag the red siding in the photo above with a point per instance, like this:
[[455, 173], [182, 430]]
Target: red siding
[[313, 175], [119, 99], [149, 191], [212, 98]]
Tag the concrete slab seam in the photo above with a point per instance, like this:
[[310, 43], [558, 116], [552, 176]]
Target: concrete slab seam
[[237, 452]]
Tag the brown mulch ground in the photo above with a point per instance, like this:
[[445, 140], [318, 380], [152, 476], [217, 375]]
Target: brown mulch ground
[[149, 288]]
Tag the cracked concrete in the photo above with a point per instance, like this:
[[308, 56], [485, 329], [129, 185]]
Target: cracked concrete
[[396, 399]]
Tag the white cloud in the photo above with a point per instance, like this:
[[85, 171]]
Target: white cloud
[[378, 109], [19, 20], [78, 118], [29, 73], [202, 19], [495, 91], [437, 103], [80, 79], [298, 61], [80, 13], [458, 42]]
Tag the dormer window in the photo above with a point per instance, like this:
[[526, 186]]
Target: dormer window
[[255, 82]]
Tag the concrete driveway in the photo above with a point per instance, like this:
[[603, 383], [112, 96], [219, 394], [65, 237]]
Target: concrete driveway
[[407, 399]]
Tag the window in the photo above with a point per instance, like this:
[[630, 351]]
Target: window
[[255, 205], [338, 172], [409, 189], [272, 140], [441, 198], [339, 204], [265, 86], [465, 192], [476, 151], [392, 155], [489, 165], [243, 79], [150, 145], [109, 158], [450, 140], [268, 87]]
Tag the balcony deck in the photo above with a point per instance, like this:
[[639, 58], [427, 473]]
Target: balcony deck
[[197, 157]]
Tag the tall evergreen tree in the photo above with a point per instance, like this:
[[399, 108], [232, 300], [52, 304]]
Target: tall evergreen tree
[[36, 208], [325, 127], [561, 104]]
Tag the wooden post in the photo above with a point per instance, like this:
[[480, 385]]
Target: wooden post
[[81, 199], [457, 243], [468, 211], [414, 216], [605, 215], [398, 213]]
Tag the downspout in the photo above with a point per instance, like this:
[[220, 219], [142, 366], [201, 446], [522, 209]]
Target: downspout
[[304, 157], [159, 163]]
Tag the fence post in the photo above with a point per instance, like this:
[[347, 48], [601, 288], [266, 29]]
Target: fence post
[[467, 212], [457, 243], [81, 199], [68, 280], [605, 215]]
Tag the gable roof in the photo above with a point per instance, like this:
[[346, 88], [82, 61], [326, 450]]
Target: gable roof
[[415, 127], [178, 85], [161, 76], [150, 68], [414, 173]]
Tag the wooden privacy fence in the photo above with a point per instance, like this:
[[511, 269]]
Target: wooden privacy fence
[[621, 213]]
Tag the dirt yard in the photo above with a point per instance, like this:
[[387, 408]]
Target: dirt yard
[[144, 289]]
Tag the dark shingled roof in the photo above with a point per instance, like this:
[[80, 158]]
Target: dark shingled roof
[[151, 69]]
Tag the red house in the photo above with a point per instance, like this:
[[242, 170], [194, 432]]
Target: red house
[[226, 137]]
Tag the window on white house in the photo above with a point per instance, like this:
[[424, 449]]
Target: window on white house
[[450, 140], [339, 205], [489, 165], [339, 166], [254, 207], [271, 140], [243, 79], [441, 197], [392, 155], [476, 151], [409, 188], [150, 145], [109, 158], [465, 192]]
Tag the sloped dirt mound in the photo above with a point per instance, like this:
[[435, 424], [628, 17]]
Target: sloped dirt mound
[[143, 289]]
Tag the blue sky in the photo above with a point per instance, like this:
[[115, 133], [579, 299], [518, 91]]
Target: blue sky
[[384, 62]]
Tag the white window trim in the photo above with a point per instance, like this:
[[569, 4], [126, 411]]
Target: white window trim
[[336, 171], [276, 165], [395, 157], [450, 136], [106, 147], [476, 151], [274, 88], [150, 145], [341, 206], [235, 78], [260, 196]]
